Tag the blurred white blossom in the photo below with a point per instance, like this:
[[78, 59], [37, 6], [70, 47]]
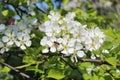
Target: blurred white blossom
[[16, 35]]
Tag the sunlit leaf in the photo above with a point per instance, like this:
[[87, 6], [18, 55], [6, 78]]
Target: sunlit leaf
[[56, 74], [112, 61]]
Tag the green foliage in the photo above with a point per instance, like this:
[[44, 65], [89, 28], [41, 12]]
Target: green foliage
[[112, 61], [8, 13], [56, 74], [4, 73]]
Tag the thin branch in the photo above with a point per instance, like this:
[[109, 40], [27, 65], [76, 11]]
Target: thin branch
[[96, 61], [73, 67], [16, 70], [79, 59], [84, 60]]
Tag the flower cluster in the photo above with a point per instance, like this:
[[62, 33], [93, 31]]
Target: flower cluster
[[69, 37], [16, 35]]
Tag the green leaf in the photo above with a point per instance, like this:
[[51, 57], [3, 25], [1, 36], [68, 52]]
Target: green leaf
[[108, 77], [5, 69], [86, 76], [28, 59], [65, 1], [8, 13], [33, 68], [112, 61], [5, 12], [110, 34], [95, 77], [56, 74], [115, 49]]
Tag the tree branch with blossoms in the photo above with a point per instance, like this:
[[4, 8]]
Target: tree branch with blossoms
[[63, 36], [98, 61]]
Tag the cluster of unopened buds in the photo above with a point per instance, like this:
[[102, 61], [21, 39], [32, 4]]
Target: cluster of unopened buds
[[69, 37]]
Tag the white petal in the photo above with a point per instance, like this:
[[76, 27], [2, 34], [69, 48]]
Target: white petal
[[2, 50], [78, 46], [19, 36], [6, 49], [2, 27], [34, 21], [5, 39], [26, 37], [49, 43], [10, 43], [17, 43], [53, 49], [45, 50], [28, 43], [1, 44], [44, 41], [49, 34], [71, 50], [93, 56], [64, 52], [80, 53], [42, 28], [22, 47], [71, 43], [60, 47], [60, 40], [8, 32]]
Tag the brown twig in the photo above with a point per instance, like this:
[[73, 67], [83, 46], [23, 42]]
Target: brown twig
[[79, 59], [96, 61], [84, 60], [16, 70]]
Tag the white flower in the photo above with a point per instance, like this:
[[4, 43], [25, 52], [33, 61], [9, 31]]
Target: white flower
[[23, 41], [3, 47], [49, 42], [9, 37], [97, 38], [23, 29], [50, 28], [53, 30], [77, 52], [70, 16], [68, 46], [45, 41], [95, 33], [54, 16]]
